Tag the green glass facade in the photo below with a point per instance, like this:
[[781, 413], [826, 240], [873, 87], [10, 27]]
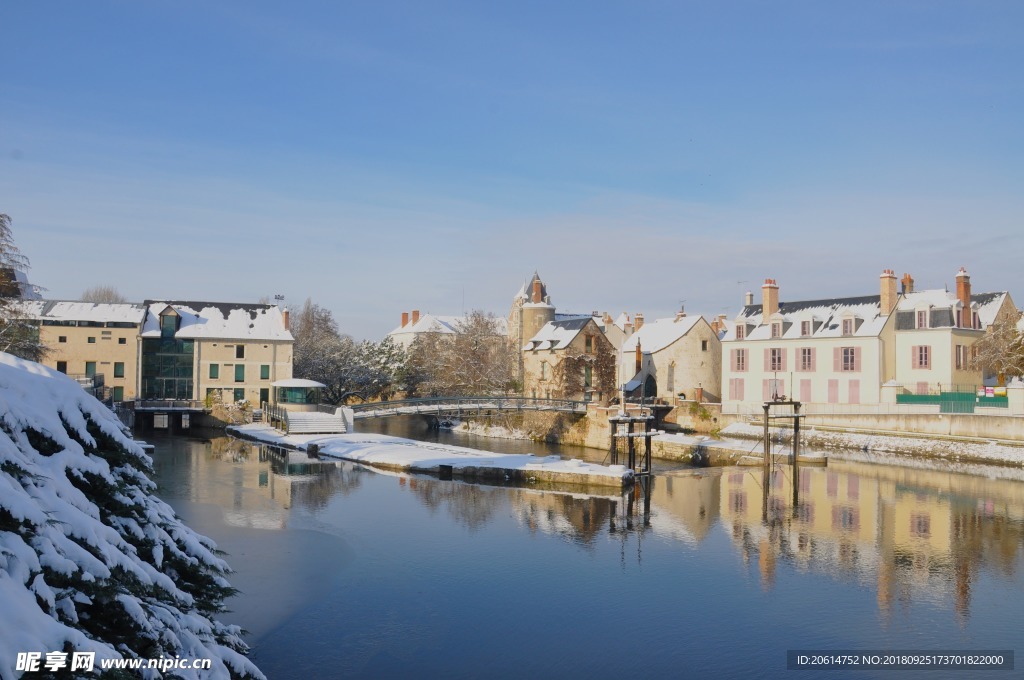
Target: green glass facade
[[167, 366]]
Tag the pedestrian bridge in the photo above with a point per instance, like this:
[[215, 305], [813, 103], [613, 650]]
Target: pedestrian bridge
[[464, 406]]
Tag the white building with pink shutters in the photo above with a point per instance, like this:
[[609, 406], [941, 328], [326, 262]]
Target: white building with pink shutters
[[842, 350]]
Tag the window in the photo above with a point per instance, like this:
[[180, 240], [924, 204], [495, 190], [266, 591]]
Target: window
[[961, 356], [920, 525], [922, 319], [849, 359], [239, 373], [543, 370], [847, 326], [239, 351], [264, 395], [739, 360], [168, 325], [589, 344], [703, 345], [265, 372], [588, 376], [776, 330], [117, 394], [118, 369], [90, 368], [62, 338], [122, 341], [214, 371], [805, 328], [921, 356], [806, 358], [741, 331], [62, 367], [239, 394], [736, 389], [92, 340], [975, 321], [775, 359]]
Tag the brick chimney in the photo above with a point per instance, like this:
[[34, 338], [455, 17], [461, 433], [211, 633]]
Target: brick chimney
[[963, 294], [769, 299], [538, 291], [415, 316], [748, 299], [405, 319], [639, 358], [908, 283], [638, 321], [888, 291], [284, 316]]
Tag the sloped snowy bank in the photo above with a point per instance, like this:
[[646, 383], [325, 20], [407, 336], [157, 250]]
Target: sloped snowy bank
[[90, 559]]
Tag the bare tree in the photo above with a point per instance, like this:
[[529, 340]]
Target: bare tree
[[1001, 351], [19, 335], [477, 359], [349, 369], [103, 294]]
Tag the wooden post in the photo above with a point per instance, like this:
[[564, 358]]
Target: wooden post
[[613, 448], [631, 445], [796, 455], [767, 465]]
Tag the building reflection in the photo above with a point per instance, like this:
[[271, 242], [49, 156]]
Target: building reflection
[[257, 485], [912, 533]]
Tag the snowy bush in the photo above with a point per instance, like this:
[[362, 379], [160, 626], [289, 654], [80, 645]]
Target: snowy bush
[[90, 559]]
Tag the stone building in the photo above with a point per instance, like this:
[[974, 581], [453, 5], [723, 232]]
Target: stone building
[[671, 359]]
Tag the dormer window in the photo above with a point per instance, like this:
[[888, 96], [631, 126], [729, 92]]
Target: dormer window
[[776, 330], [922, 318], [168, 325], [847, 326], [741, 331], [805, 328]]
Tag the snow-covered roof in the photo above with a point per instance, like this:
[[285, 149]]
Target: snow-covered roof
[[825, 317], [656, 335], [431, 323], [986, 305], [70, 310], [622, 320], [227, 320], [557, 334]]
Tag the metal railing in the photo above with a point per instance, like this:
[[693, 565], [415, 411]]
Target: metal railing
[[464, 406], [169, 404]]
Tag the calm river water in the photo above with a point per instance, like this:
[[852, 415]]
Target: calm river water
[[347, 572]]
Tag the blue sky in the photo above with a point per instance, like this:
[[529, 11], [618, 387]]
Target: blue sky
[[381, 156]]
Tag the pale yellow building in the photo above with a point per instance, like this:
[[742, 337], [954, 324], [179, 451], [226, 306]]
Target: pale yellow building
[[570, 359], [97, 343], [210, 350], [679, 358]]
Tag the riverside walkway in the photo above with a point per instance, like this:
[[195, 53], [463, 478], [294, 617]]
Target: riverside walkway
[[464, 406]]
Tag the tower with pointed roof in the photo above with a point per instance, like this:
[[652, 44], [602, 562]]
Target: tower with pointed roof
[[531, 310]]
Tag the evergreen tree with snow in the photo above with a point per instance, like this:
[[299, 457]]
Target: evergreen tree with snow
[[90, 559], [18, 336]]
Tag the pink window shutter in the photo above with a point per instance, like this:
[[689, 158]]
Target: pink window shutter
[[732, 360], [914, 355], [856, 359], [783, 352], [837, 359], [767, 360], [814, 358], [766, 390], [855, 391], [928, 357], [805, 390], [739, 388]]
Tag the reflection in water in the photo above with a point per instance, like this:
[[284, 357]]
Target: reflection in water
[[910, 532], [398, 558]]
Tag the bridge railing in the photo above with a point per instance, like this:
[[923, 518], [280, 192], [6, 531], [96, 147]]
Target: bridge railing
[[456, 404]]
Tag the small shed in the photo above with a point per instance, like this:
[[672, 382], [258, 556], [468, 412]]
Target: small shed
[[297, 394]]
